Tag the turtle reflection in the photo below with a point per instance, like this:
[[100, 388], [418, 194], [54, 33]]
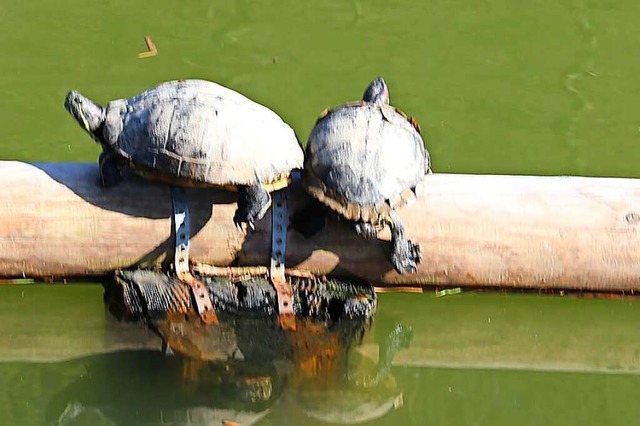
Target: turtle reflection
[[359, 390], [148, 387], [319, 367]]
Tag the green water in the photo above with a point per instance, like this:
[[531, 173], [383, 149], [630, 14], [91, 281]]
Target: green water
[[474, 359], [541, 87]]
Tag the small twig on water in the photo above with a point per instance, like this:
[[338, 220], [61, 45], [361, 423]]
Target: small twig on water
[[151, 46]]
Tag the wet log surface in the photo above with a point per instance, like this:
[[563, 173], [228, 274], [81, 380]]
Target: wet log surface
[[141, 293], [328, 314]]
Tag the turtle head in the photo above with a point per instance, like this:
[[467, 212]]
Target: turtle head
[[87, 113], [377, 92]]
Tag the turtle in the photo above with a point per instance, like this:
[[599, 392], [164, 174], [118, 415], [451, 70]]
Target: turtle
[[364, 160], [364, 390], [194, 133]]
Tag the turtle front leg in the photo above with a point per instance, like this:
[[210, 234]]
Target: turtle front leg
[[405, 254], [110, 169], [253, 203], [366, 230]]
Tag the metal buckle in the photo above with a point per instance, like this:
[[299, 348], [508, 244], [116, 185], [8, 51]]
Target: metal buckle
[[181, 259], [280, 221]]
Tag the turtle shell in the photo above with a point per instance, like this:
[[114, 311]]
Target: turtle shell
[[201, 132], [365, 159]]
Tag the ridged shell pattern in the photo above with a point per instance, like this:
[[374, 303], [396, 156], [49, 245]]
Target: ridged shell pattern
[[202, 131], [364, 160]]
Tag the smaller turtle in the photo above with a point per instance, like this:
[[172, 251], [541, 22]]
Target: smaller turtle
[[193, 133], [364, 160]]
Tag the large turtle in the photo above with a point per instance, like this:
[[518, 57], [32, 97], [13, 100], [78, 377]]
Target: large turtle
[[363, 160], [192, 132]]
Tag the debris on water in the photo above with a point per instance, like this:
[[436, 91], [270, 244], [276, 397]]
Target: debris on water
[[151, 48], [398, 289], [448, 292], [399, 401], [17, 281]]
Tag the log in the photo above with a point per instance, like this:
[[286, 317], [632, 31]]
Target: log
[[143, 294], [328, 313], [474, 230]]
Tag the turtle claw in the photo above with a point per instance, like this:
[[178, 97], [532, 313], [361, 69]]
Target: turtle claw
[[253, 203], [405, 254], [243, 225], [366, 230]]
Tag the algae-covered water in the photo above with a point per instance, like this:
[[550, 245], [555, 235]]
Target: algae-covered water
[[541, 87]]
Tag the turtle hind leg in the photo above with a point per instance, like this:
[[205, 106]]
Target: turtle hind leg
[[405, 254], [311, 219], [399, 338], [110, 169], [366, 230], [253, 203]]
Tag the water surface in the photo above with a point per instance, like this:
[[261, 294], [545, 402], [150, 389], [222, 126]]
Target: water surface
[[547, 87]]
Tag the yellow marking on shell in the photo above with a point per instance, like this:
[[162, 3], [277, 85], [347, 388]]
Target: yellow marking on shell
[[365, 214], [411, 120], [353, 211], [399, 111], [280, 181], [415, 124]]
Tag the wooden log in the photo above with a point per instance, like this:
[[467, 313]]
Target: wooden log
[[474, 230], [140, 293]]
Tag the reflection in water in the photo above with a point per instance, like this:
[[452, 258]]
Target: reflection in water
[[134, 388], [461, 368], [317, 372], [77, 414], [358, 390], [237, 371]]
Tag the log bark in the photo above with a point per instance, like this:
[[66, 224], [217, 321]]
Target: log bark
[[144, 294], [474, 230]]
